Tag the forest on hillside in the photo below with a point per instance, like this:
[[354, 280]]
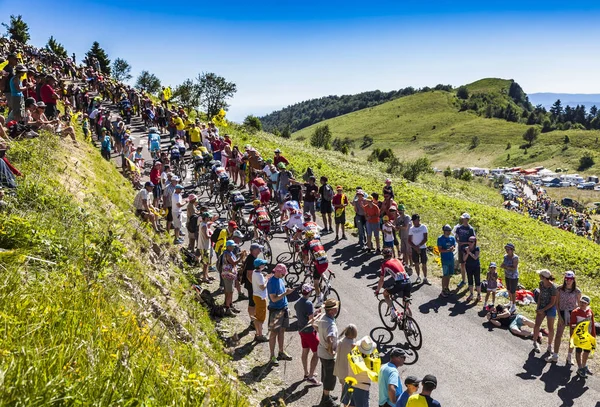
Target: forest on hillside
[[308, 112]]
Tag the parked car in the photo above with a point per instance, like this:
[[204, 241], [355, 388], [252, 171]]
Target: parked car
[[586, 185]]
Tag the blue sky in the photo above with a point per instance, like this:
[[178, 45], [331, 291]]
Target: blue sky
[[282, 52]]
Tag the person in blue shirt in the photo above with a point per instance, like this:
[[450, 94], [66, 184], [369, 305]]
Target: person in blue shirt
[[279, 318], [390, 386], [446, 244], [412, 386]]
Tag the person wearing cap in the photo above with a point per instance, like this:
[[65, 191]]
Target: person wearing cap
[[568, 299], [204, 244], [387, 230], [279, 158], [424, 398], [224, 235], [341, 368], [510, 264], [246, 275], [309, 340], [491, 286], [177, 203], [167, 194], [581, 314], [411, 383], [372, 222], [546, 307], [259, 292], [473, 267], [402, 225], [328, 338], [417, 238], [463, 231], [143, 205], [340, 202], [326, 194], [390, 386], [446, 244], [279, 316], [50, 97], [365, 347], [16, 99]]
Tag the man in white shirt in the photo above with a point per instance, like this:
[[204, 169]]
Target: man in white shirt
[[143, 205], [177, 203], [417, 239]]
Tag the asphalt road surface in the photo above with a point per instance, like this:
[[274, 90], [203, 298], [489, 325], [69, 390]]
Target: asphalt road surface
[[474, 364]]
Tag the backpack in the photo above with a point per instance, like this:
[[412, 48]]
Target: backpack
[[215, 236], [328, 192]]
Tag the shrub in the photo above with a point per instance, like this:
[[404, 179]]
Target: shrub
[[447, 172], [252, 123], [474, 143], [531, 135], [462, 174], [286, 132], [366, 142], [586, 161], [462, 92], [409, 169], [321, 138]]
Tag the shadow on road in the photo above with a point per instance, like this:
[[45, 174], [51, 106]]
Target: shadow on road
[[533, 367], [287, 395], [384, 338], [257, 373]]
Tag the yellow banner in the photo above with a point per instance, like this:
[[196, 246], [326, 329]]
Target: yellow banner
[[582, 338]]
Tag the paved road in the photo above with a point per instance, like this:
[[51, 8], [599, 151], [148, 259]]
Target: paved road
[[475, 366]]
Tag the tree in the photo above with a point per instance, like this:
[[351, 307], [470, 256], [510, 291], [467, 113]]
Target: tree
[[147, 82], [531, 135], [286, 132], [462, 92], [121, 70], [101, 56], [556, 110], [188, 94], [321, 138], [474, 142], [215, 91], [447, 172], [17, 29], [253, 123], [56, 47], [586, 161]]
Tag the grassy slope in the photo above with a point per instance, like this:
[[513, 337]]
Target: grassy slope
[[538, 245], [444, 134], [86, 328]]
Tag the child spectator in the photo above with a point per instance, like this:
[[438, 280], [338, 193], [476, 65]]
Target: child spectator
[[492, 286], [581, 314], [388, 233]]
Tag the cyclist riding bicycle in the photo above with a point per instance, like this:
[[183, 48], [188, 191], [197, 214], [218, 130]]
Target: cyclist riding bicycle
[[261, 189], [237, 202], [294, 223], [220, 176], [288, 207], [260, 218], [154, 142], [314, 246], [175, 156], [402, 284]]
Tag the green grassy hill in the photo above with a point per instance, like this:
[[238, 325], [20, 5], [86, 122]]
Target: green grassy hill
[[430, 124]]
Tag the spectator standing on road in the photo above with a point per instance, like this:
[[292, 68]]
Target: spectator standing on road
[[580, 314], [167, 195], [424, 399], [326, 194], [510, 264], [204, 242], [390, 386], [403, 224], [259, 294], [463, 231], [411, 383], [372, 216], [279, 317], [492, 286], [341, 368], [360, 219], [473, 267], [328, 337], [50, 97], [309, 340], [546, 308], [155, 179], [246, 277], [360, 395], [339, 202], [446, 244], [178, 203], [417, 238], [568, 299], [311, 190]]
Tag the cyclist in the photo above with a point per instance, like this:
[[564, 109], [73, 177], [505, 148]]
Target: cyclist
[[237, 202], [294, 224], [260, 189], [288, 207], [402, 284], [154, 143], [220, 176], [175, 156], [260, 218], [314, 246]]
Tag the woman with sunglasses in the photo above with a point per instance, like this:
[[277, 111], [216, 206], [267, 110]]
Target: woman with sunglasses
[[568, 299]]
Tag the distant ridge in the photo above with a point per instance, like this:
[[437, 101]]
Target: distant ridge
[[546, 99]]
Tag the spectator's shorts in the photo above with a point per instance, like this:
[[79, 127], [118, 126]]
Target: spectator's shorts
[[205, 257], [326, 206], [228, 285], [141, 213], [309, 340], [419, 256], [448, 269], [260, 308], [177, 221], [340, 220], [309, 207], [517, 323], [511, 285], [278, 319]]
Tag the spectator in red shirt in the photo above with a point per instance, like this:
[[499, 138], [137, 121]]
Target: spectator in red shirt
[[49, 97], [155, 179], [279, 158]]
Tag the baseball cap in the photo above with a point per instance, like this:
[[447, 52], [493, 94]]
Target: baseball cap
[[493, 264], [277, 150], [175, 178], [339, 187], [230, 243], [585, 299], [149, 184], [570, 274], [401, 207], [545, 273], [205, 215], [415, 216], [412, 380], [431, 379], [232, 224], [260, 262], [465, 216], [238, 234], [509, 246], [393, 208], [192, 197], [255, 246], [178, 186], [447, 228], [307, 288], [397, 353]]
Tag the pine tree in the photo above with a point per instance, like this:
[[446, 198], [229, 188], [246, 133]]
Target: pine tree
[[56, 47], [101, 56], [556, 111], [17, 29]]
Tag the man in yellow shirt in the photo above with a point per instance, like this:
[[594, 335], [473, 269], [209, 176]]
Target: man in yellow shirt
[[194, 133], [179, 126], [424, 398]]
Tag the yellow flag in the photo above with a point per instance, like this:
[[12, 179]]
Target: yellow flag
[[219, 119], [582, 338], [3, 64], [168, 93], [367, 363]]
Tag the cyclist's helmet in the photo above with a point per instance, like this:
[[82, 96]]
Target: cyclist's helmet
[[309, 234], [387, 253], [256, 202], [239, 234]]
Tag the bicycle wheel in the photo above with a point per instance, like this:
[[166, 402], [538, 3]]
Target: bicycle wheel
[[412, 332], [183, 169], [385, 314], [332, 293], [285, 258], [292, 279], [267, 252]]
